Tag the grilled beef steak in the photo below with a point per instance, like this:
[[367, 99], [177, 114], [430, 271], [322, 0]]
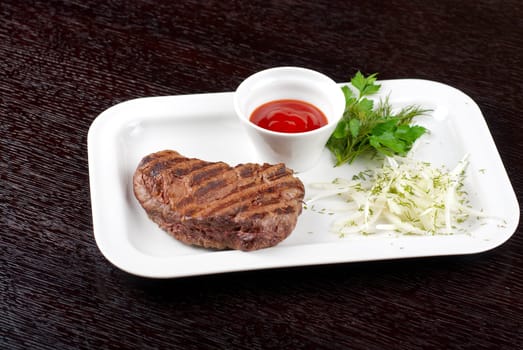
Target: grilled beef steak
[[213, 205]]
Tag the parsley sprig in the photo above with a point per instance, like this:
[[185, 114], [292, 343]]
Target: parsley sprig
[[365, 128]]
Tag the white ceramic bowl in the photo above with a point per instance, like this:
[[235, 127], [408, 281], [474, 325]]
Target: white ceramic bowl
[[299, 151]]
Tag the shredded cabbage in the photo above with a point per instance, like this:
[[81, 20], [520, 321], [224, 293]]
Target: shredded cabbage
[[404, 195]]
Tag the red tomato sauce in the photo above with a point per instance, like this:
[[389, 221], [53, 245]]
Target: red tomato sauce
[[290, 116]]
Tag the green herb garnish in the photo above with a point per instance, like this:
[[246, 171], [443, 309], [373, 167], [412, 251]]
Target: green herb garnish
[[365, 128]]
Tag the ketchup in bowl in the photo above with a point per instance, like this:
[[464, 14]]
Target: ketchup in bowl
[[288, 116], [280, 130]]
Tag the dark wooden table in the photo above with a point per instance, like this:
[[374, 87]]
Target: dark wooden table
[[64, 62]]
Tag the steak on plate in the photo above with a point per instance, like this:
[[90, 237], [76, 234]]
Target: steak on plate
[[213, 205]]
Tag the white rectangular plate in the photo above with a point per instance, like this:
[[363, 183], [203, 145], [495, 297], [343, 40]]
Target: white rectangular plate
[[205, 126]]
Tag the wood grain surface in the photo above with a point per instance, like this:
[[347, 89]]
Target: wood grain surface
[[63, 62]]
